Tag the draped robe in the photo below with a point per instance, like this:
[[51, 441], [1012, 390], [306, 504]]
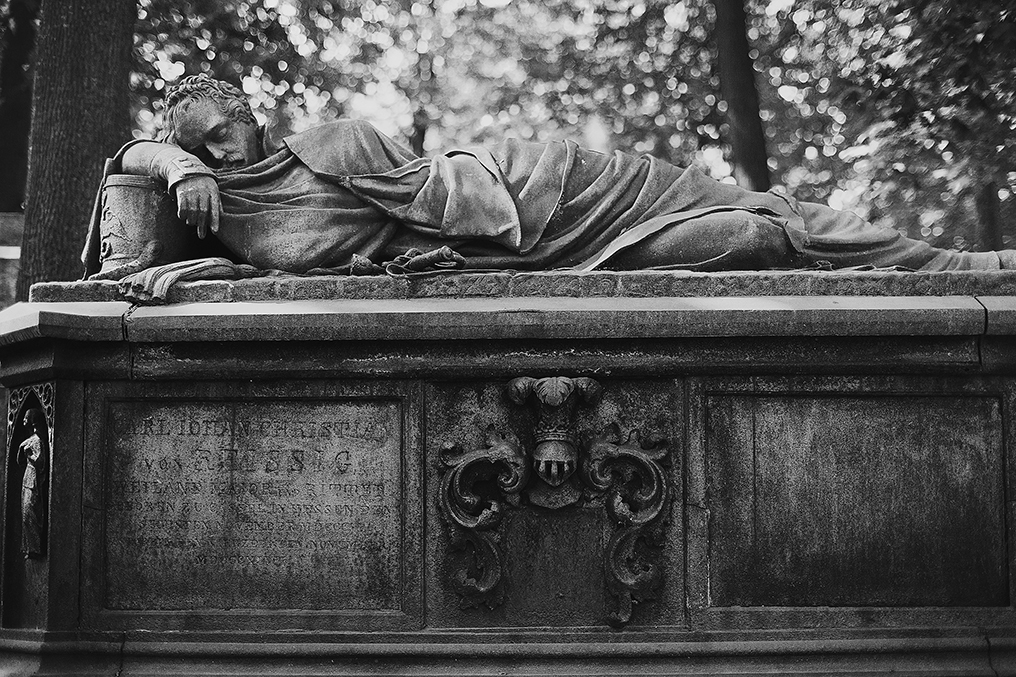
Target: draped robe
[[345, 188]]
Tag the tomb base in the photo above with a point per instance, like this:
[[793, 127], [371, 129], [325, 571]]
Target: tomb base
[[533, 474]]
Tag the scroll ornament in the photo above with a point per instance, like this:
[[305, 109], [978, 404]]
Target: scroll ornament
[[474, 517], [479, 486]]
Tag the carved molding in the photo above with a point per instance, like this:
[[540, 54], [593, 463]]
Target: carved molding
[[628, 479]]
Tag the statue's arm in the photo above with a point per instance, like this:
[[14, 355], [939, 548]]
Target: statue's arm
[[186, 177]]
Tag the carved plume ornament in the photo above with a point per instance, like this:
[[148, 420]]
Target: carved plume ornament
[[628, 479], [556, 455]]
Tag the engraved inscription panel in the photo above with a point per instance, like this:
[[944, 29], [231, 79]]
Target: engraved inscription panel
[[271, 504]]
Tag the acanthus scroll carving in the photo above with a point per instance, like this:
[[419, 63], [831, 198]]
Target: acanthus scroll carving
[[638, 495], [564, 468], [473, 515]]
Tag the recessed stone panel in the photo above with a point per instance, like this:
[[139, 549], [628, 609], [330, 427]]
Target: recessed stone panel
[[855, 501], [257, 504]]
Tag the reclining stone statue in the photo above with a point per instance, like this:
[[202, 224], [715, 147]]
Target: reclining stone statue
[[345, 189]]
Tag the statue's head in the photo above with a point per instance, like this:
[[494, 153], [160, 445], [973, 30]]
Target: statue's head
[[212, 119], [34, 419]]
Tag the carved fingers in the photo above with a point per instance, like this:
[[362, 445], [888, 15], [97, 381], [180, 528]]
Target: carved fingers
[[199, 204]]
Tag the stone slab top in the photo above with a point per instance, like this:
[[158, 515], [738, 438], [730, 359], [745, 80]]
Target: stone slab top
[[506, 305], [500, 318], [641, 284]]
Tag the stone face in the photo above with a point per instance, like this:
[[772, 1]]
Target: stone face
[[860, 500], [262, 505], [537, 590]]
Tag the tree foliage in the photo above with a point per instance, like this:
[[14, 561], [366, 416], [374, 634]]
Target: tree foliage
[[901, 109]]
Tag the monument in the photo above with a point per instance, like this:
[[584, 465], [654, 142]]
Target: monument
[[344, 191], [546, 472]]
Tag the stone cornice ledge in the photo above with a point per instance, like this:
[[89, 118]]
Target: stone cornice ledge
[[512, 318], [102, 321]]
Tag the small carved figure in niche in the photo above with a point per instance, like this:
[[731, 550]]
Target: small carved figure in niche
[[33, 453]]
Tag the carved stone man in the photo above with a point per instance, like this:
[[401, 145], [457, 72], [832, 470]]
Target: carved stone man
[[344, 188], [33, 453]]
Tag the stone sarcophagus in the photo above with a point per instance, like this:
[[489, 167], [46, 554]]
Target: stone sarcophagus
[[533, 474]]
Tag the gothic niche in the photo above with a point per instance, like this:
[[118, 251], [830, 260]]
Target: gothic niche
[[564, 468], [30, 434]]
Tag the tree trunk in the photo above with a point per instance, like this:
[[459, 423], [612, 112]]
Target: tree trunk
[[17, 41], [989, 222], [737, 83], [79, 116]]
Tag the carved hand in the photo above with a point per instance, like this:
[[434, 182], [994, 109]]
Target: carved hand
[[197, 194], [199, 204]]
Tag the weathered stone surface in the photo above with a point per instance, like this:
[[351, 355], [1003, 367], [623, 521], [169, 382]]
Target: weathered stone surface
[[75, 292], [208, 291], [256, 289], [565, 283], [254, 505], [538, 591], [460, 285], [303, 288], [850, 501], [371, 287]]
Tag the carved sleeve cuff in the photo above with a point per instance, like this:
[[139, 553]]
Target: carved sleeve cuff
[[173, 165]]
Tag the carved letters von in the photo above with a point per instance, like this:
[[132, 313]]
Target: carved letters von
[[565, 467]]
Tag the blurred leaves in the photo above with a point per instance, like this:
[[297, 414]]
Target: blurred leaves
[[901, 109]]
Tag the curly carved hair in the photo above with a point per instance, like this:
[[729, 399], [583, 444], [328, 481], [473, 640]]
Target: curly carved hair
[[193, 88]]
